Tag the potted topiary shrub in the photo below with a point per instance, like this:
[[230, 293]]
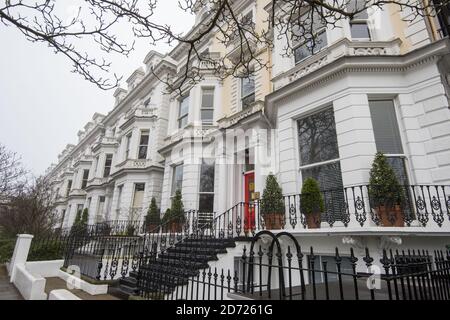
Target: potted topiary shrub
[[272, 204], [385, 193], [153, 218], [311, 203], [76, 224], [165, 221], [177, 217]]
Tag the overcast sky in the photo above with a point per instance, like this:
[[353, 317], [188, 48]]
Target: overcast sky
[[43, 104]]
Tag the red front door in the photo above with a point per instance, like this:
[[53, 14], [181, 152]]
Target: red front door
[[249, 210]]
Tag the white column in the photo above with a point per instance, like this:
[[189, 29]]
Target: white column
[[20, 254]]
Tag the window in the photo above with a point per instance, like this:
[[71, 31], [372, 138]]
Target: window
[[387, 136], [79, 208], [177, 178], [127, 146], [97, 160], [316, 268], [247, 22], [249, 160], [183, 112], [247, 18], [304, 47], [147, 102], [139, 189], [443, 17], [322, 163], [69, 187], [119, 196], [63, 216], [108, 163], [358, 25], [100, 208], [206, 193], [143, 144], [85, 179], [247, 91], [207, 109]]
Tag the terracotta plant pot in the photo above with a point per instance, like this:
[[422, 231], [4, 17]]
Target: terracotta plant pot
[[391, 217], [274, 221], [153, 227], [176, 227], [313, 220]]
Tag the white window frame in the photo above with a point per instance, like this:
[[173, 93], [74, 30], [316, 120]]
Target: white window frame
[[203, 89], [84, 181], [69, 186], [128, 138], [142, 133], [404, 155], [242, 97], [105, 166], [360, 21], [316, 164], [207, 160], [321, 30], [172, 184], [180, 117]]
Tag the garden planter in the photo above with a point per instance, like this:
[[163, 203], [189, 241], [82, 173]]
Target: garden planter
[[391, 217], [274, 221], [176, 227], [313, 220], [153, 227]]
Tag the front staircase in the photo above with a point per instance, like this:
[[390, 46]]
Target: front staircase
[[183, 260]]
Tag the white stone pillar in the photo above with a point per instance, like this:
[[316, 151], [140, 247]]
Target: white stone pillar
[[20, 254]]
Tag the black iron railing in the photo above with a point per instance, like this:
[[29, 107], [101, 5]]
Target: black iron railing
[[419, 206], [109, 228], [273, 272]]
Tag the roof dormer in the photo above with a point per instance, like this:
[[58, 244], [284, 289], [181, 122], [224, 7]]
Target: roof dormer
[[98, 117], [135, 78], [80, 135], [119, 94], [152, 59]]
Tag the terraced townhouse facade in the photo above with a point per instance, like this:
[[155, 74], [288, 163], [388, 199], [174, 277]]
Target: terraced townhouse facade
[[377, 83]]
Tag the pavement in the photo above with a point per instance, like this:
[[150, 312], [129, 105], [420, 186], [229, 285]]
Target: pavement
[[57, 283], [7, 290]]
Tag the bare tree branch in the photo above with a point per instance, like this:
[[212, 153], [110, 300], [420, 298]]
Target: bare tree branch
[[96, 24]]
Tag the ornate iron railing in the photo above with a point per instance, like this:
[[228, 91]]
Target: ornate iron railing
[[270, 271], [421, 206], [109, 228]]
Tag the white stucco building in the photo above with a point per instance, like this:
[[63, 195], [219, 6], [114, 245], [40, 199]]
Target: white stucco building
[[377, 84]]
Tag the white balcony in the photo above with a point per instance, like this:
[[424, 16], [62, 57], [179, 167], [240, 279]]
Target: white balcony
[[342, 48]]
